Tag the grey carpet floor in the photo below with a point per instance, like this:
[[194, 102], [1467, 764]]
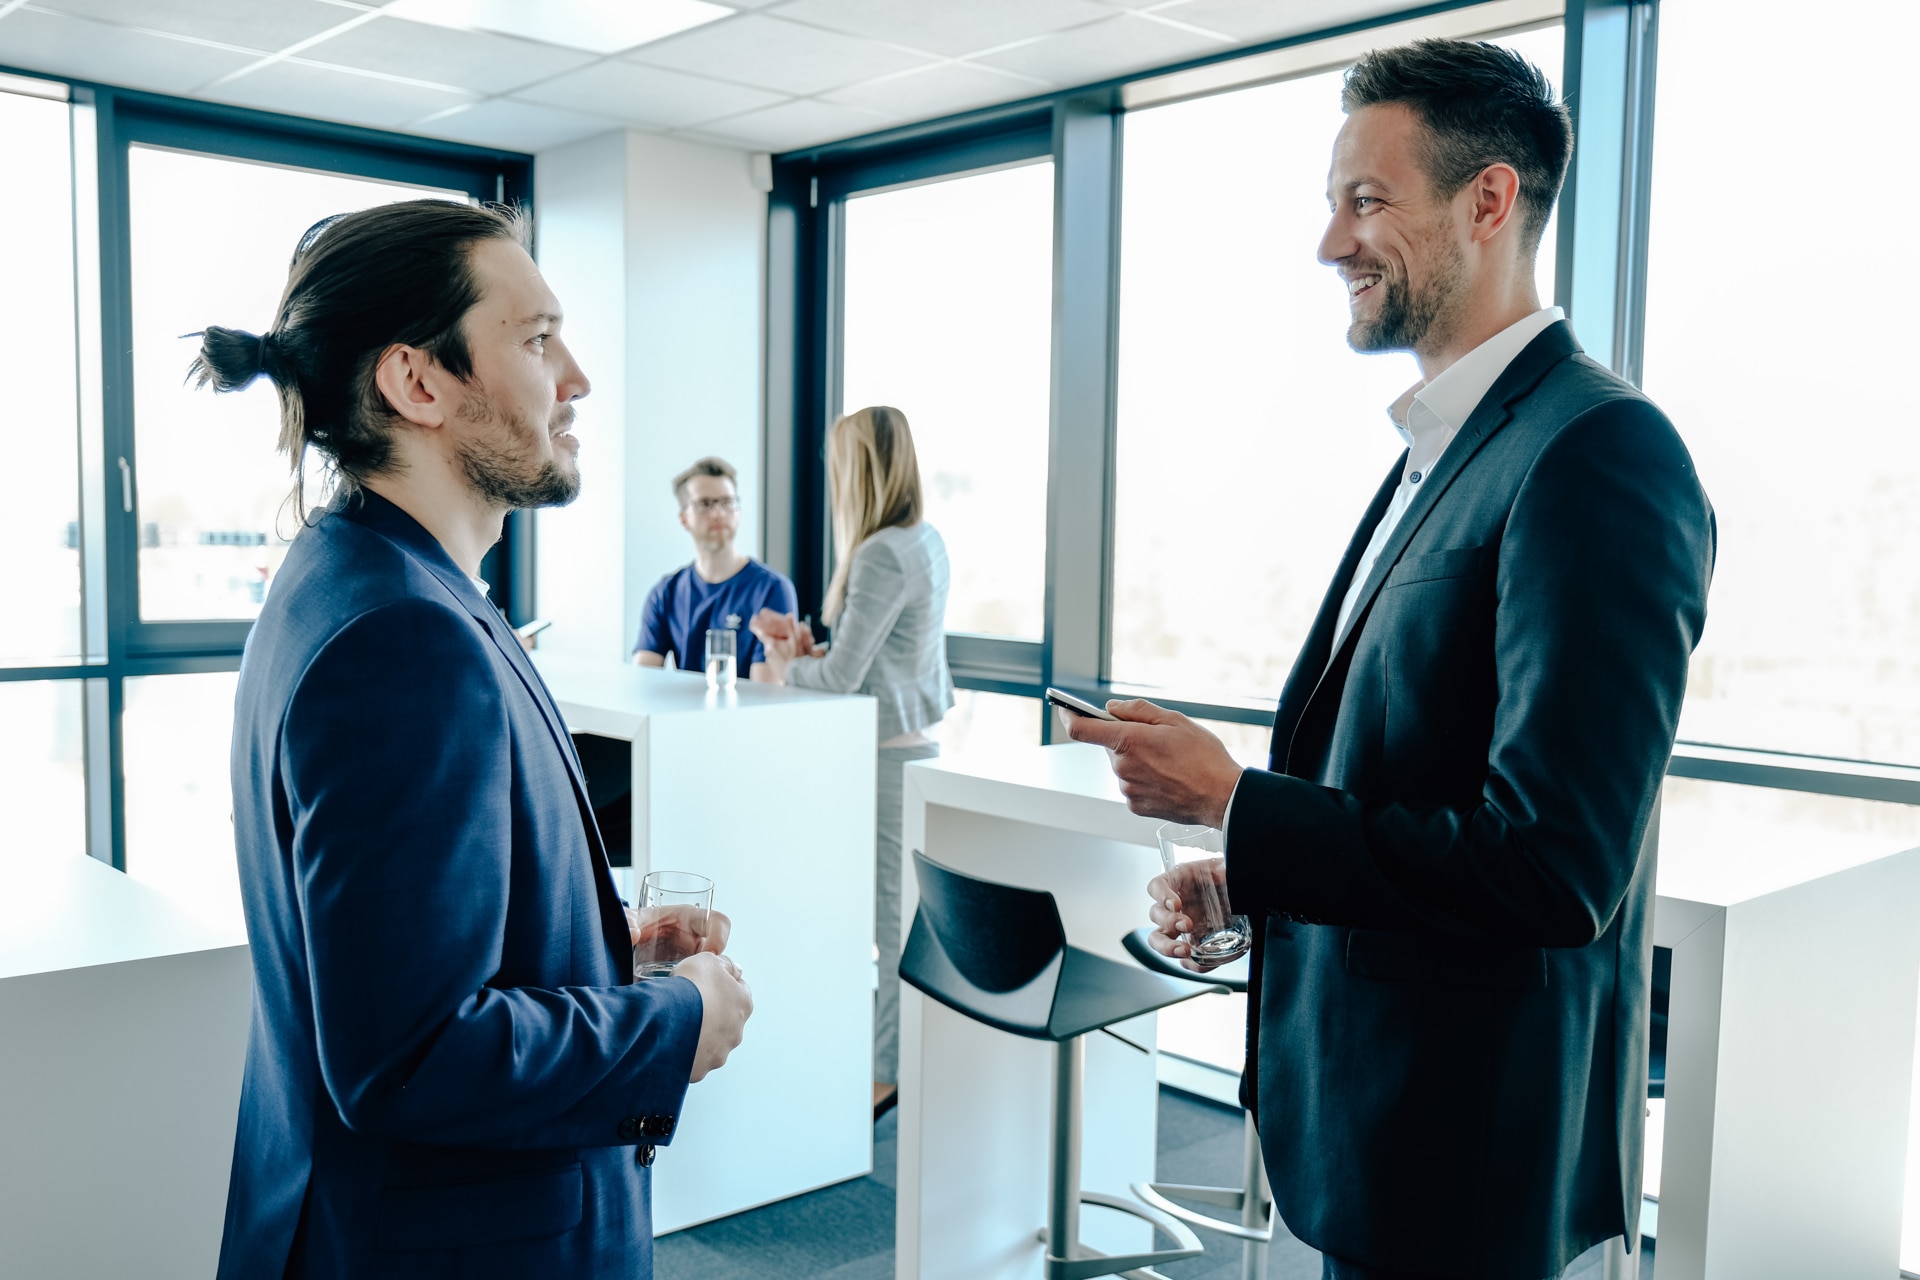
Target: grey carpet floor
[[845, 1232]]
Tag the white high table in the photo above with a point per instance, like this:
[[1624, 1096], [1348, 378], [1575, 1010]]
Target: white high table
[[768, 791], [1789, 1059], [123, 1030]]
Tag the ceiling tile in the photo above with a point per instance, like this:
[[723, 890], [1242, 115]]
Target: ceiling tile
[[940, 89], [1254, 20], [792, 125], [251, 24], [647, 95], [516, 126], [85, 50], [771, 54], [473, 60], [949, 27], [328, 93], [1123, 43]]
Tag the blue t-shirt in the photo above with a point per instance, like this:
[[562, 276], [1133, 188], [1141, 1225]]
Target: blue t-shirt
[[682, 607]]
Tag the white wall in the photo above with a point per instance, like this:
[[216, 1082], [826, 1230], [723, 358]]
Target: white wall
[[657, 251]]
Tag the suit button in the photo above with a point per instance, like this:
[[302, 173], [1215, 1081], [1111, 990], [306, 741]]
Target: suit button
[[643, 1155], [630, 1128]]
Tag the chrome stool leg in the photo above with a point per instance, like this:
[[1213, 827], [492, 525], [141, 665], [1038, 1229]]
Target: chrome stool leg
[[1252, 1198], [1067, 1258]]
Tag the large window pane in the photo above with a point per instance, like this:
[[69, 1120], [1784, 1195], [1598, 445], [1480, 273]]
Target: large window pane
[[211, 240], [987, 723], [43, 782], [1250, 437], [39, 422], [949, 304], [177, 738], [1797, 403]]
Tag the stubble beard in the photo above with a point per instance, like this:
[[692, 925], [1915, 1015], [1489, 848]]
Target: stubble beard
[[1409, 319], [499, 466]]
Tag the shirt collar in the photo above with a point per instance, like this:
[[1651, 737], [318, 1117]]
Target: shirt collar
[[1429, 411]]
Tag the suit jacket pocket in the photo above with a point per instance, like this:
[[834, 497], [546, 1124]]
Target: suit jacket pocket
[[1461, 562], [449, 1215], [1428, 959]]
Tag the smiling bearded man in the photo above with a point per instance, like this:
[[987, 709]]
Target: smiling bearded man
[[1447, 1048]]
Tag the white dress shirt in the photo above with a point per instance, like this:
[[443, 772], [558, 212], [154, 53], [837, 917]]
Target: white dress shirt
[[1428, 415]]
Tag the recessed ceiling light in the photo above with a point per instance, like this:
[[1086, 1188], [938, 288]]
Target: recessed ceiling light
[[599, 26]]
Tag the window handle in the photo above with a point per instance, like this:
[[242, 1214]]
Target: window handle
[[126, 486]]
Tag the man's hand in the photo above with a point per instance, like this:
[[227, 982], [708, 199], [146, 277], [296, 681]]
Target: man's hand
[[1168, 766], [726, 1002], [676, 930], [1171, 891]]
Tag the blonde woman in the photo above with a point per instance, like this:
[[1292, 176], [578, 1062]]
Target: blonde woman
[[887, 605]]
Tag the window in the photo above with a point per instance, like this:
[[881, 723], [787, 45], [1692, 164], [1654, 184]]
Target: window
[[211, 240], [42, 770], [1250, 437], [1790, 390], [986, 723], [948, 312], [177, 742], [146, 518], [40, 619]]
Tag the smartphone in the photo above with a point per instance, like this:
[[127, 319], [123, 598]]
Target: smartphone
[[1075, 706], [528, 630]]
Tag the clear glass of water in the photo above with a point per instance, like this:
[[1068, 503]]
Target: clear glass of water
[[722, 659], [1195, 859], [676, 912]]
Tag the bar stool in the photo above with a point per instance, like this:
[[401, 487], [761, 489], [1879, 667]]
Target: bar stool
[[999, 955], [1252, 1197]]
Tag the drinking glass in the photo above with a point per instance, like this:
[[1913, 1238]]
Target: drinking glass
[[722, 654], [665, 942], [1218, 935]]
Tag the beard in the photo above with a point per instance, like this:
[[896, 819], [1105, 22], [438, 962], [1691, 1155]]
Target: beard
[[503, 464], [1409, 318]]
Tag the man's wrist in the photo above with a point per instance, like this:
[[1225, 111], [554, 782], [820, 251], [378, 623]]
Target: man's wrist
[[1226, 812]]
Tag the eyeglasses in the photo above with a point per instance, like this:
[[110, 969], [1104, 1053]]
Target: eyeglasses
[[707, 506]]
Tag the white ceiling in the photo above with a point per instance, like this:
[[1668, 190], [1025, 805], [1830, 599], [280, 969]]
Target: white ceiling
[[773, 76]]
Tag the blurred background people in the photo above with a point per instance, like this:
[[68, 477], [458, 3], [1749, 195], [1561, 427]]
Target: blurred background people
[[887, 605], [721, 589]]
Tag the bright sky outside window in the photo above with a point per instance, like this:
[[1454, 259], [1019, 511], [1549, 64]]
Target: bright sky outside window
[[211, 242], [1793, 390], [949, 310], [39, 413]]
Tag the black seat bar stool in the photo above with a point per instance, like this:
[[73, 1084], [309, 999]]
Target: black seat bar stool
[[999, 955], [1252, 1197]]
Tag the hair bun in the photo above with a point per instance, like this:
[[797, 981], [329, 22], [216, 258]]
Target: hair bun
[[229, 358]]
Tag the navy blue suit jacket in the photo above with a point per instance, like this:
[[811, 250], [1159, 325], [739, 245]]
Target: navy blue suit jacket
[[450, 1068], [1451, 991]]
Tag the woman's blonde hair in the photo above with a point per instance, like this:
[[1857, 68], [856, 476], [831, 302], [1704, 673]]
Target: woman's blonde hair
[[873, 483]]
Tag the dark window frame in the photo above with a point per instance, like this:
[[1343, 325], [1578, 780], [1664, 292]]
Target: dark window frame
[[127, 647]]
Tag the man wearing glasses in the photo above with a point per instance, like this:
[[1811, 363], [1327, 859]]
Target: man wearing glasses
[[720, 590]]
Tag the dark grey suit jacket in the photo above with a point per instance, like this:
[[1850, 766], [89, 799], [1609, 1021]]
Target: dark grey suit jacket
[[1448, 1053]]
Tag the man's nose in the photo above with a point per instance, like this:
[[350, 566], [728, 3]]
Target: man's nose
[[1336, 243]]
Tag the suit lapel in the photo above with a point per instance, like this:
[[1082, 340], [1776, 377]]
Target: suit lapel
[[1312, 662], [396, 525], [1494, 411]]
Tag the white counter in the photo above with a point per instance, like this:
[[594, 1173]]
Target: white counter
[[123, 1024], [768, 791], [1789, 1060]]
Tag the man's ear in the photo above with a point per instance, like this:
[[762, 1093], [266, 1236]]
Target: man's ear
[[415, 385], [1495, 192]]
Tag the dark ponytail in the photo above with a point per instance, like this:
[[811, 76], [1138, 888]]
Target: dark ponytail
[[358, 284]]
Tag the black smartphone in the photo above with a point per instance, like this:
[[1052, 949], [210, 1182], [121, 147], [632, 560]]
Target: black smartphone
[[1077, 706]]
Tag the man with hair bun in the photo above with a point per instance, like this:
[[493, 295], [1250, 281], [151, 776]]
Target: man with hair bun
[[1445, 859], [451, 1070]]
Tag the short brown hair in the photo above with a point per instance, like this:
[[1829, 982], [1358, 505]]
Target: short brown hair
[[705, 467], [1481, 104]]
